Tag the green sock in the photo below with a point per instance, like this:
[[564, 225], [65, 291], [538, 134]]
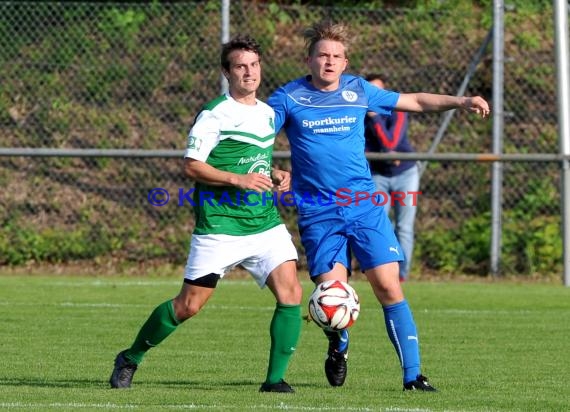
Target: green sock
[[285, 330], [161, 323]]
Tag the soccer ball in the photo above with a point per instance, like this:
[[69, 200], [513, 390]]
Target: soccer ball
[[334, 305]]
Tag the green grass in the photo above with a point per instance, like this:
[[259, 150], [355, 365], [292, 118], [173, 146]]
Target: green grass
[[485, 346]]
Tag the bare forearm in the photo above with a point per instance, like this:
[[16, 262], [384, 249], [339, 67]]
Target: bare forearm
[[439, 102], [204, 173], [429, 102]]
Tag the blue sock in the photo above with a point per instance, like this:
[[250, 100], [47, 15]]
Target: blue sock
[[338, 340], [404, 336], [343, 340]]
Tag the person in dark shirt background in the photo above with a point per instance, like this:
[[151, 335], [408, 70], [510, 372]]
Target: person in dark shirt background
[[387, 134]]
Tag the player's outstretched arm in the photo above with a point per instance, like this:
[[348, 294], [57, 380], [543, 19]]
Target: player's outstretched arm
[[429, 102]]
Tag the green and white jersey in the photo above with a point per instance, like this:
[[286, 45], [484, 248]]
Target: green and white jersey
[[237, 138]]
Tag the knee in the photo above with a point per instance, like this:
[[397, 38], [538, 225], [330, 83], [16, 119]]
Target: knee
[[389, 295], [291, 294], [185, 309], [385, 283], [297, 293]]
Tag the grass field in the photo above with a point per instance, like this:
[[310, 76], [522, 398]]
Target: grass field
[[485, 346]]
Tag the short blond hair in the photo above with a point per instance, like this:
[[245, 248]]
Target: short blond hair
[[326, 30]]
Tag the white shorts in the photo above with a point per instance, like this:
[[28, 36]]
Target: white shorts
[[259, 254]]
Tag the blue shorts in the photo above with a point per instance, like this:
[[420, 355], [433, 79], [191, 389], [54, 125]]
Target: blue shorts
[[331, 234]]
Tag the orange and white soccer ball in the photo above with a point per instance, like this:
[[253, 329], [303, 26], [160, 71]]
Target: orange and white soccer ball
[[334, 305]]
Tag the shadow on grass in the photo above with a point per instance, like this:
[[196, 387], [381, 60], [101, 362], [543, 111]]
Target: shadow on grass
[[90, 383], [51, 383]]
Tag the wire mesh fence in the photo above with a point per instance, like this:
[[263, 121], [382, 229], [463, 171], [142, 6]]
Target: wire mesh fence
[[134, 75]]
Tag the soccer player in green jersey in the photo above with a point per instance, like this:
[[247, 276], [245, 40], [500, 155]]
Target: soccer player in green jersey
[[229, 155]]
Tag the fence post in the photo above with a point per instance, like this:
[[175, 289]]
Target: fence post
[[563, 81], [225, 37], [497, 175]]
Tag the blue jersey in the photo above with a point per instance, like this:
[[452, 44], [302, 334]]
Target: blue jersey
[[326, 134]]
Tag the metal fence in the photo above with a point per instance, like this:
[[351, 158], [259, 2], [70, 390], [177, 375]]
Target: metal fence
[[133, 75]]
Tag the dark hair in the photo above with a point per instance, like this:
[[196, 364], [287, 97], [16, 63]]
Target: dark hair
[[239, 42], [376, 76]]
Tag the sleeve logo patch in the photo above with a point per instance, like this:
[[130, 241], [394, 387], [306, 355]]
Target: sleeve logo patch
[[194, 143]]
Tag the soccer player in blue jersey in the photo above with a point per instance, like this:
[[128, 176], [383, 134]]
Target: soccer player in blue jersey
[[323, 116]]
